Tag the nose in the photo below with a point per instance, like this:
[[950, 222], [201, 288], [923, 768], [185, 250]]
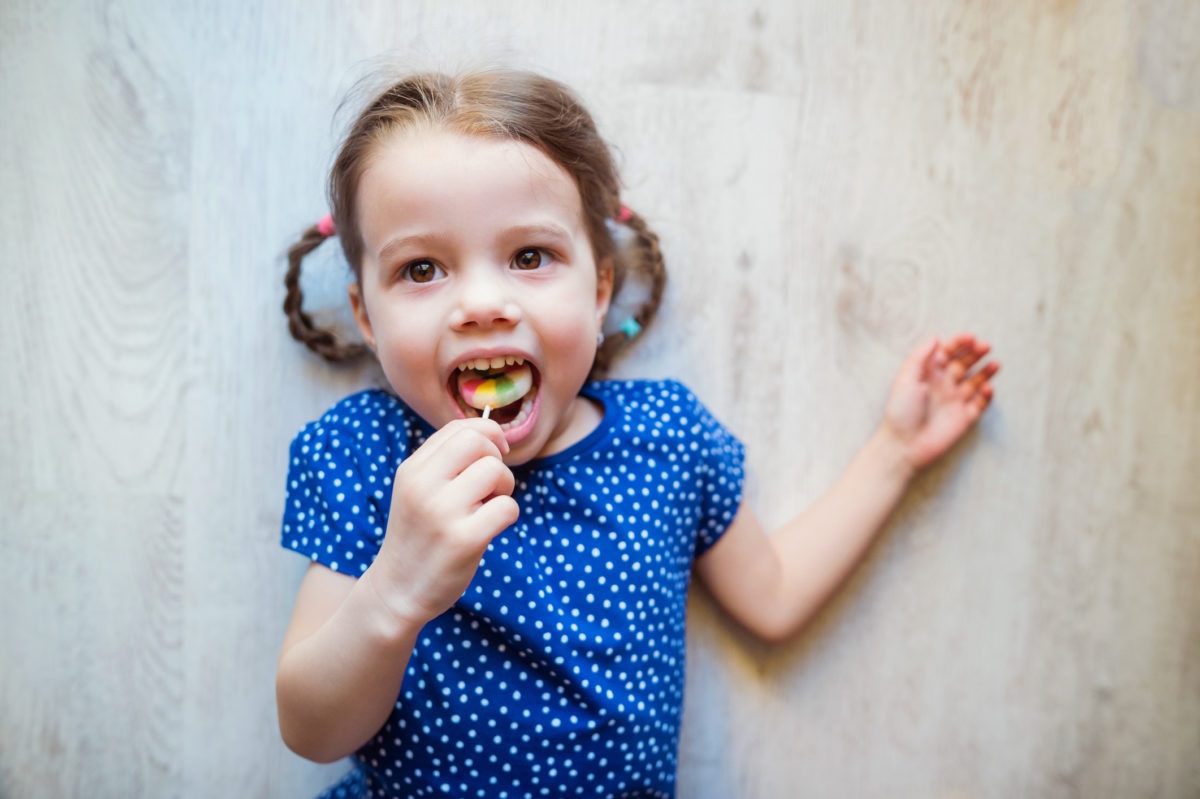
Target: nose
[[483, 300]]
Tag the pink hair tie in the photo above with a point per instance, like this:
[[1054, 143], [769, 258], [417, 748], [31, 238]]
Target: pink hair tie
[[325, 226], [624, 215]]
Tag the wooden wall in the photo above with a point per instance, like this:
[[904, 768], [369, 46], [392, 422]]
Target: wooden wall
[[832, 182]]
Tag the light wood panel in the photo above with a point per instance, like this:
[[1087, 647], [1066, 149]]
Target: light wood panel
[[832, 182]]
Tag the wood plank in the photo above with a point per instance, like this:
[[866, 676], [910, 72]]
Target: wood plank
[[832, 182]]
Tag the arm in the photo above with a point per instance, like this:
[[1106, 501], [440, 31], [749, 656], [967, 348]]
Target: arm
[[341, 664], [774, 584], [348, 643]]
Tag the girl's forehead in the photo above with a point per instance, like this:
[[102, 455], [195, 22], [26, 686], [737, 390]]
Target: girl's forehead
[[428, 175], [449, 151]]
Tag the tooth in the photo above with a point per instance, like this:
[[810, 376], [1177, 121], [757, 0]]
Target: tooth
[[498, 362]]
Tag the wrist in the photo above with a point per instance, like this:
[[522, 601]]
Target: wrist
[[390, 614], [891, 451]]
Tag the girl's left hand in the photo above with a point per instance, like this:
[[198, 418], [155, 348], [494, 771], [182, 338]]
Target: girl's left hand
[[938, 395]]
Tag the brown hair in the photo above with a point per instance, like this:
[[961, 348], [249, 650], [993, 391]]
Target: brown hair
[[521, 106]]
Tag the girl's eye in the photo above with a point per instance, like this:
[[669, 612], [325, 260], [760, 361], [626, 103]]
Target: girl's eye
[[420, 272], [528, 259]]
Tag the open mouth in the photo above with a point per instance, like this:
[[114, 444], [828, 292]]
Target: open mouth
[[505, 384]]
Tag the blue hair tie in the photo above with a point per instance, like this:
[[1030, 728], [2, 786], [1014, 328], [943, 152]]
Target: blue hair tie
[[631, 328]]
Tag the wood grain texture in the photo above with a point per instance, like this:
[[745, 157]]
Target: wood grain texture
[[831, 182]]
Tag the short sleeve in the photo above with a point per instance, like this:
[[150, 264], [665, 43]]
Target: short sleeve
[[720, 472], [338, 490]]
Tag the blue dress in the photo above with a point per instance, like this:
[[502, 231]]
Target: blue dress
[[560, 671]]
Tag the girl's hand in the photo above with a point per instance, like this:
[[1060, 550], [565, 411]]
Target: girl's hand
[[937, 397], [449, 499]]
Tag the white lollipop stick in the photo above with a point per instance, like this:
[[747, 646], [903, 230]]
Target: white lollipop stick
[[487, 411]]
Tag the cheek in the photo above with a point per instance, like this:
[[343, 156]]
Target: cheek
[[583, 298], [405, 341], [572, 334]]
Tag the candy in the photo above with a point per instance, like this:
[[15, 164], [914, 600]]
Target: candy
[[495, 389]]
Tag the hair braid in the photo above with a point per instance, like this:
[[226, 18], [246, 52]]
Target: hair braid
[[300, 323], [646, 263]]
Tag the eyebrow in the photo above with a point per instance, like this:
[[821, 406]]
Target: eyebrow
[[552, 234], [547, 230], [420, 240]]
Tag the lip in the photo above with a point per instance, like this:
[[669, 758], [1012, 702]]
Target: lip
[[515, 435]]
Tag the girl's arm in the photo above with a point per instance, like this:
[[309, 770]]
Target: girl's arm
[[774, 584], [341, 664], [349, 640]]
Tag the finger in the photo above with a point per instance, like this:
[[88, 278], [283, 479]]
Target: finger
[[980, 382], [967, 350], [429, 449], [963, 342], [485, 478], [485, 427], [489, 520], [456, 446], [491, 429], [964, 361], [922, 360], [980, 401], [497, 515]]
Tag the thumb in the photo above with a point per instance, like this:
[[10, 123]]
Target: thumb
[[923, 360]]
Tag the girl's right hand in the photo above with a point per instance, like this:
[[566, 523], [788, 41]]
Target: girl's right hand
[[450, 498]]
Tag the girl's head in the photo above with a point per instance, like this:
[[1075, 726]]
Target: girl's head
[[409, 195]]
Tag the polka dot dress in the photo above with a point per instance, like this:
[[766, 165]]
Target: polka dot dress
[[560, 671]]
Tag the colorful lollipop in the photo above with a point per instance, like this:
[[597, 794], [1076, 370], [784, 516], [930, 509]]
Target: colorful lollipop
[[495, 389]]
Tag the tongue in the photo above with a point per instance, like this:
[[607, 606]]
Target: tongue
[[498, 388]]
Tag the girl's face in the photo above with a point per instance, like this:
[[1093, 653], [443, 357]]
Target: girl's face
[[474, 249]]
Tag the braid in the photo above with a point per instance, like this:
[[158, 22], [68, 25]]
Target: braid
[[646, 263], [321, 341]]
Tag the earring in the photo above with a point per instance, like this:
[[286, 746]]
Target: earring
[[600, 339]]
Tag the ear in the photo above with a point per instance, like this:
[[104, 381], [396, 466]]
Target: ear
[[359, 306], [604, 289]]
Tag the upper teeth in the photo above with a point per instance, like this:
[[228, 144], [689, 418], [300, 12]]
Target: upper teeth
[[484, 364]]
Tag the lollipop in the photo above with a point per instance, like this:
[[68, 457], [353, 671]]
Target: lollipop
[[495, 389]]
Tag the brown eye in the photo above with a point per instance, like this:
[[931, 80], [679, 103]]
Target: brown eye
[[528, 259], [420, 272]]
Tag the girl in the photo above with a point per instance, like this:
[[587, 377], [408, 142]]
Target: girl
[[502, 544]]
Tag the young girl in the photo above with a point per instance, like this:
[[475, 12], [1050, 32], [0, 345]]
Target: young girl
[[502, 543]]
